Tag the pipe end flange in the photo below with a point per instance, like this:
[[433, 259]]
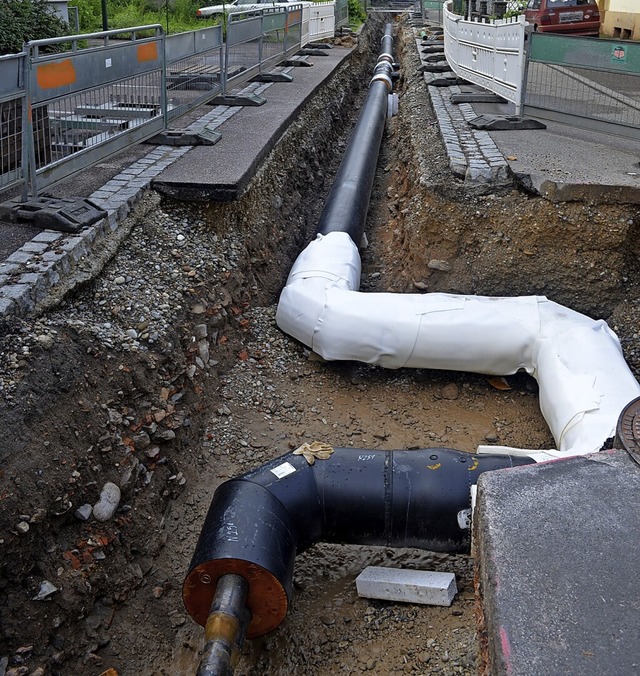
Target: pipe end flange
[[266, 599]]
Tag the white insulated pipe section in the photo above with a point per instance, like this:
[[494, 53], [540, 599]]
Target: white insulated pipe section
[[583, 378]]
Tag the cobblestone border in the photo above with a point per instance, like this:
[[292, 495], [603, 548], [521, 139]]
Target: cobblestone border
[[473, 156], [31, 272]]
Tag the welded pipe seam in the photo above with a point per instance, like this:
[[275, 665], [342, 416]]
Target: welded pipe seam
[[382, 77]]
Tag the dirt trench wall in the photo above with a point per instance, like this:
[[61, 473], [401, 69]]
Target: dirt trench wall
[[505, 244], [79, 409]]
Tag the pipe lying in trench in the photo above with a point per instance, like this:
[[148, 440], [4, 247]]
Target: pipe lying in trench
[[242, 568], [259, 521]]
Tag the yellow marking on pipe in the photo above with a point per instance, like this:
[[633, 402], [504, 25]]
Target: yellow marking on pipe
[[54, 75], [438, 465], [474, 466], [221, 626], [148, 52]]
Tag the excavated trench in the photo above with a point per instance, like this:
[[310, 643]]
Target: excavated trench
[[215, 389]]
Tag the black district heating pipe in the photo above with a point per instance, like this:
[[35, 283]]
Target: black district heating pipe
[[258, 522], [240, 577], [348, 201]]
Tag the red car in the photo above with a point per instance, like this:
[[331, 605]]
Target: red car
[[574, 17]]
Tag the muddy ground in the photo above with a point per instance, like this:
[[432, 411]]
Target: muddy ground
[[166, 375]]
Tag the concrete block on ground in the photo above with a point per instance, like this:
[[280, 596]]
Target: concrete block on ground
[[407, 586]]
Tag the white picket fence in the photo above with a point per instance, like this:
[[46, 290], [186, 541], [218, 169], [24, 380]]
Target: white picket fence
[[318, 21], [488, 53]]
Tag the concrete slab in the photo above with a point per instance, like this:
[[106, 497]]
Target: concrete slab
[[564, 163], [224, 171], [407, 586], [557, 548]]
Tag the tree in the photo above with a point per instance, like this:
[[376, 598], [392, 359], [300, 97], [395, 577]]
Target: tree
[[24, 20]]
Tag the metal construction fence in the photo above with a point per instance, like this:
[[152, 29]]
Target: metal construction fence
[[342, 13], [432, 10], [318, 21], [67, 103], [194, 69], [256, 43], [588, 82], [88, 103], [488, 53], [13, 111]]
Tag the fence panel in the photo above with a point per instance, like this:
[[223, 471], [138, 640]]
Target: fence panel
[[588, 82], [90, 103], [242, 48], [260, 41], [194, 69], [293, 33], [433, 10], [342, 13], [488, 53], [12, 110], [322, 21]]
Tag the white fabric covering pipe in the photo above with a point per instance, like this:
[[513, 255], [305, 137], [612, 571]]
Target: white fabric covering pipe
[[583, 377]]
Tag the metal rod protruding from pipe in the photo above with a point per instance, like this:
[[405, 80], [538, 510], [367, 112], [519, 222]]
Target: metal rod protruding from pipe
[[226, 627]]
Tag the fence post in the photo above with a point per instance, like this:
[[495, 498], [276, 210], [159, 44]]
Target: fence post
[[525, 69], [163, 86], [28, 148]]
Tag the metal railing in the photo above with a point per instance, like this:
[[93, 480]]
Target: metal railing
[[194, 69], [68, 103], [587, 82], [13, 113], [488, 53], [88, 103]]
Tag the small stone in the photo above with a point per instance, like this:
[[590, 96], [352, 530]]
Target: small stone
[[164, 435], [328, 620], [45, 341], [46, 589], [157, 592], [435, 264], [106, 507], [450, 391], [421, 286], [491, 437], [178, 620], [141, 441], [22, 527], [200, 331], [119, 280], [84, 512], [152, 452], [131, 333]]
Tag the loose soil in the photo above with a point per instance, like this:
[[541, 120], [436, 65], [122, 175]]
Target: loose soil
[[216, 389]]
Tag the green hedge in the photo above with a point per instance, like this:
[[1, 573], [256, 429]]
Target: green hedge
[[24, 20]]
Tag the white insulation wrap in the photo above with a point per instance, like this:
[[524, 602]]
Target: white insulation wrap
[[584, 381]]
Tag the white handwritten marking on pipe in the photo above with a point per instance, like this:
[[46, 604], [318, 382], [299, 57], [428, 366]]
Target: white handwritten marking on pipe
[[230, 532]]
